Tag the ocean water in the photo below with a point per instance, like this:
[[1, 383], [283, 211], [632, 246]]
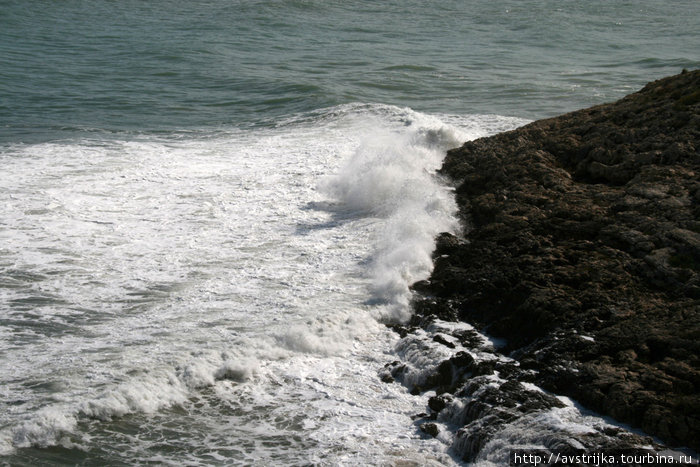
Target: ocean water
[[210, 209]]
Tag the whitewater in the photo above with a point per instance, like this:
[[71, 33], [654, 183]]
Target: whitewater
[[221, 297]]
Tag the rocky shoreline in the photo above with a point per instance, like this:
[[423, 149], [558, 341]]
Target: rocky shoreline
[[581, 249]]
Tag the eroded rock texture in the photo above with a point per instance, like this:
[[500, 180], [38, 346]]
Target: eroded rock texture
[[582, 249]]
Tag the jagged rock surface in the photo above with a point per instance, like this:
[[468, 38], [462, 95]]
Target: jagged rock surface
[[484, 404], [582, 249]]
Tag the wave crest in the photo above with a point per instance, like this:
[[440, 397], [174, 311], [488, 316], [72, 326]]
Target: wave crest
[[391, 175]]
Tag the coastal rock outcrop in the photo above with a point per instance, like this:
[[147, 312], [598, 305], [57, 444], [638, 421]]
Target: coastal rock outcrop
[[581, 248]]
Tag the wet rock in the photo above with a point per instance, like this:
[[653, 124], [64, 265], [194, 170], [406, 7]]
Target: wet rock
[[391, 371], [441, 339], [430, 428], [490, 401], [437, 403], [385, 377], [582, 251]]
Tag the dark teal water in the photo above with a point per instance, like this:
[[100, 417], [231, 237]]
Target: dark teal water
[[163, 66]]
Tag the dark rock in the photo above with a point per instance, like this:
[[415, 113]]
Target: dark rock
[[441, 340], [400, 329], [582, 250], [481, 396], [437, 403], [386, 377], [442, 377], [391, 371], [430, 428]]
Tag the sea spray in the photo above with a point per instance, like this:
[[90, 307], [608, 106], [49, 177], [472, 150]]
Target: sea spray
[[221, 294], [391, 176]]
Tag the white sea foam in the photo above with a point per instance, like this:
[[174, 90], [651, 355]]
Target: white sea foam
[[391, 175], [213, 274], [51, 426]]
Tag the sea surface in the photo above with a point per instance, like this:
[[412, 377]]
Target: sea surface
[[210, 209]]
